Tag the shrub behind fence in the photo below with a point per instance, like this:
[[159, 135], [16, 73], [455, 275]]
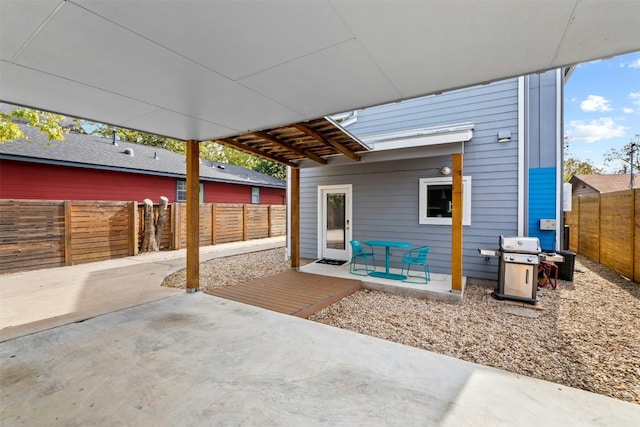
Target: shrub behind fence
[[38, 234]]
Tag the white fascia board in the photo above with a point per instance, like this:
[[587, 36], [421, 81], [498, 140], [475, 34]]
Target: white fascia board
[[522, 194], [459, 132], [559, 160]]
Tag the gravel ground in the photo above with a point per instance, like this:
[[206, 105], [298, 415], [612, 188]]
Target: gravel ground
[[586, 334]]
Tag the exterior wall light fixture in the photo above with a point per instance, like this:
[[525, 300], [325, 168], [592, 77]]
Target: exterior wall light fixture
[[504, 135]]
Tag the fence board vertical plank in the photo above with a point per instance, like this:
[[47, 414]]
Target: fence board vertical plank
[[599, 222], [175, 225], [133, 228], [245, 227], [214, 215], [68, 260], [578, 224], [634, 235], [270, 219]]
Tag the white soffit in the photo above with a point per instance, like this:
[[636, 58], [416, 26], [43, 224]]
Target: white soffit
[[207, 69]]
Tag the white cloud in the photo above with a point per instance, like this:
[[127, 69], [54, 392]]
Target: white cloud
[[595, 130], [595, 103], [628, 110], [635, 64], [635, 97]]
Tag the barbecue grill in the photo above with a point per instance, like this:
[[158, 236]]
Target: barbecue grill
[[518, 268]]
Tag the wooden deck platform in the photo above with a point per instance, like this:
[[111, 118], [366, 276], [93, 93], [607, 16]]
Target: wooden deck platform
[[292, 292]]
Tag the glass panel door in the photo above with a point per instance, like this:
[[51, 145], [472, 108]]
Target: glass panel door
[[335, 228], [336, 221]]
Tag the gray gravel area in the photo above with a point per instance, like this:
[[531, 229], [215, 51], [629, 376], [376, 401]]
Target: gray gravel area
[[585, 334]]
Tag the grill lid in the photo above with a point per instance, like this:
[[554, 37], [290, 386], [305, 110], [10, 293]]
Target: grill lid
[[526, 245]]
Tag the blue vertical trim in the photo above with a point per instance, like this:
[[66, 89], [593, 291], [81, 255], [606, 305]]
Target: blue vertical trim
[[542, 204]]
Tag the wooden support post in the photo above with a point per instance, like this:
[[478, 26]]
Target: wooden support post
[[456, 223], [68, 260], [295, 218], [133, 228], [193, 216]]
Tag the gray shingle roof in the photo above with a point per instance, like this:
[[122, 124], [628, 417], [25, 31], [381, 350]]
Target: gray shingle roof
[[90, 151]]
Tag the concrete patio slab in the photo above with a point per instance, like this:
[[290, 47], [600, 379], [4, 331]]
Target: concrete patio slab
[[438, 288], [37, 300], [195, 359]]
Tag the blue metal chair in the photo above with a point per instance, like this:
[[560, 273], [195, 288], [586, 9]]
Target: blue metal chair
[[358, 251], [417, 256]]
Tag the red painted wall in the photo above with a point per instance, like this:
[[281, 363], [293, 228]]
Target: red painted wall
[[217, 192], [29, 181]]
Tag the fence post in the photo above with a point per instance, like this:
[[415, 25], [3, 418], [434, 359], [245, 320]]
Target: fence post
[[245, 227], [270, 220], [633, 221], [133, 228], [214, 213], [68, 260], [599, 226]]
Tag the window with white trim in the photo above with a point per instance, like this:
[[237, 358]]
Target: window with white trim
[[255, 195], [181, 191], [436, 196]]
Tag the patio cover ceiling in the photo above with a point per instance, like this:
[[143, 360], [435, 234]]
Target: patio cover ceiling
[[207, 70]]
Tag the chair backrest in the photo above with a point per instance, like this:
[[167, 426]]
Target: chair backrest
[[422, 252], [357, 247]]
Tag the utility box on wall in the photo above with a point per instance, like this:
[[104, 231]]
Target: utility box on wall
[[547, 224]]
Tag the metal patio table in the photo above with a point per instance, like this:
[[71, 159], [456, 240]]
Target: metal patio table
[[388, 244]]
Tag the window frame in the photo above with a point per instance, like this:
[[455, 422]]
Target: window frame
[[178, 191], [424, 184], [255, 195]]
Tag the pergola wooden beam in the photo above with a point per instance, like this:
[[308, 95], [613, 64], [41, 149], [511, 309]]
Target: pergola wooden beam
[[305, 153], [328, 141], [248, 149]]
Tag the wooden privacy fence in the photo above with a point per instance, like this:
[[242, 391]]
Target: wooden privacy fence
[[606, 228], [38, 234]]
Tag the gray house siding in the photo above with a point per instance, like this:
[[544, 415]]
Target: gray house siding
[[386, 194]]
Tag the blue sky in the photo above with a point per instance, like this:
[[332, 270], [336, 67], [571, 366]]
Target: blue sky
[[602, 107]]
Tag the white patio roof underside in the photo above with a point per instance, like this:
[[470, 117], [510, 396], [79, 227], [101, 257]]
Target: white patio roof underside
[[200, 70]]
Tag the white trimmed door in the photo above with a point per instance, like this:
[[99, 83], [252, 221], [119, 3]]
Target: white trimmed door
[[334, 221]]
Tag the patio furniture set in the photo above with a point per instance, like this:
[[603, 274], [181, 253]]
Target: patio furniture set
[[364, 251]]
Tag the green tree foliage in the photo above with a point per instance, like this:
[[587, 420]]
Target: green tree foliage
[[277, 170], [574, 166], [141, 138], [48, 123], [624, 156]]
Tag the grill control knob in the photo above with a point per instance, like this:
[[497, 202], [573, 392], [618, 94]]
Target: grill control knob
[[529, 259], [511, 258]]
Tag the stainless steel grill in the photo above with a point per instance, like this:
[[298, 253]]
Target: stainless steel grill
[[518, 268]]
